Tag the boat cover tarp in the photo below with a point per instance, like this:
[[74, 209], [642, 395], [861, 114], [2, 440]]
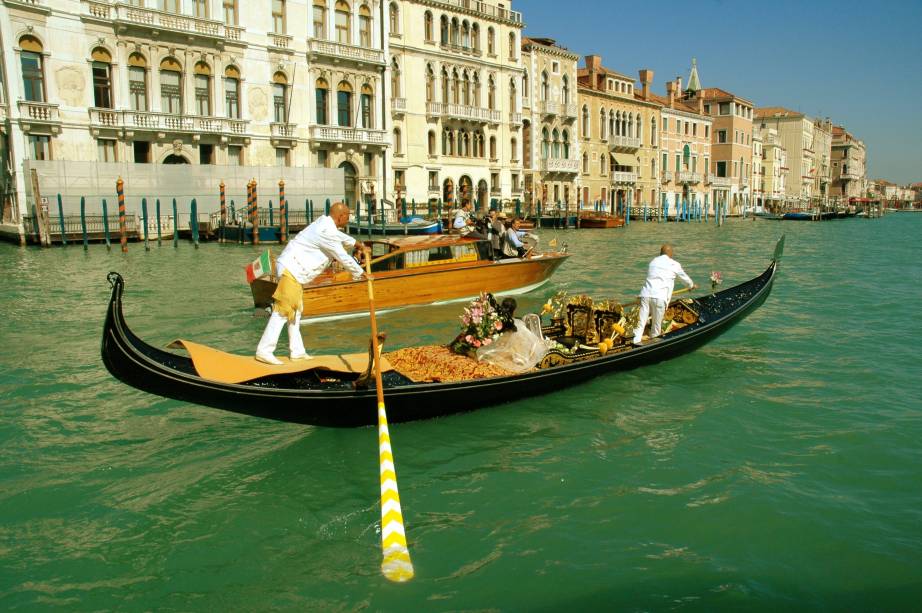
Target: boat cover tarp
[[217, 365]]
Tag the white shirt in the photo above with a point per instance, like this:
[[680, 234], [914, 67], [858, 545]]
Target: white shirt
[[461, 219], [310, 252], [661, 278]]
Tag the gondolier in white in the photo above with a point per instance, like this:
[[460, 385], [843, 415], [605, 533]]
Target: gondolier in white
[[656, 292], [306, 256]]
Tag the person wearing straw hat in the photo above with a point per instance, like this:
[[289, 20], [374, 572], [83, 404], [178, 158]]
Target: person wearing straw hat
[[656, 292], [306, 256]]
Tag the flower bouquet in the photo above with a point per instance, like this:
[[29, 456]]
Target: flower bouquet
[[481, 324], [716, 279]]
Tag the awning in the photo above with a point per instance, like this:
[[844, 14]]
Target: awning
[[625, 159]]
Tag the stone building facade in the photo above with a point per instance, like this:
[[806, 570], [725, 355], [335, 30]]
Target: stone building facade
[[618, 133], [456, 90], [774, 168], [550, 145], [795, 131], [849, 165]]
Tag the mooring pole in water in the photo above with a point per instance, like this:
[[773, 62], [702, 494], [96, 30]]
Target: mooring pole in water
[[271, 215], [159, 237], [61, 221], [326, 207], [86, 241], [255, 214], [144, 221], [105, 224], [283, 213], [223, 199], [193, 222], [175, 226], [122, 222], [248, 217]]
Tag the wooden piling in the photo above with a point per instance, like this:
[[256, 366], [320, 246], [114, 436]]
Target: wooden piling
[[122, 220], [61, 221], [283, 213], [223, 212], [144, 220], [326, 208], [40, 213], [175, 226], [105, 224], [255, 218], [193, 222], [159, 237], [86, 240]]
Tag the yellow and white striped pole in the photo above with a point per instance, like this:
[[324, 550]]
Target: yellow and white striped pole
[[396, 564]]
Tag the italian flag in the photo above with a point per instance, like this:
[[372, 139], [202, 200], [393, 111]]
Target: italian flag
[[259, 267]]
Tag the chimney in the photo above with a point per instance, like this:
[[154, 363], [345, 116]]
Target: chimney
[[594, 65], [646, 80], [678, 86], [670, 93], [700, 104]]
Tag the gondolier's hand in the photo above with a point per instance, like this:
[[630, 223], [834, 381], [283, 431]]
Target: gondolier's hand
[[694, 286]]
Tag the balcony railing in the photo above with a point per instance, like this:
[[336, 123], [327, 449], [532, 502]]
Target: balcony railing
[[167, 122], [337, 134], [153, 19], [624, 142], [340, 51], [39, 5], [281, 129], [462, 111], [280, 41], [667, 176], [689, 177], [568, 109], [44, 112], [515, 119], [559, 165], [399, 105], [720, 181], [483, 9], [619, 176]]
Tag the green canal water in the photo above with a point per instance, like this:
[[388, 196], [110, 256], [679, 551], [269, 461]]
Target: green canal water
[[778, 467]]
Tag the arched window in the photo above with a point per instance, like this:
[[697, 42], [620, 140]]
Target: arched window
[[653, 168], [394, 18], [565, 90], [491, 42], [321, 99], [512, 52], [232, 92], [465, 90], [455, 87], [427, 26], [431, 140], [602, 126], [444, 142], [465, 34], [545, 90], [430, 84], [451, 142], [525, 85], [545, 144], [455, 32], [612, 124], [443, 31], [465, 144], [617, 131], [365, 26], [475, 100], [398, 144], [513, 97], [367, 107], [491, 95], [566, 145], [445, 82], [639, 124], [395, 78], [280, 97], [653, 130], [493, 148], [630, 126], [344, 104], [475, 37], [171, 86], [202, 89], [603, 164], [480, 152], [137, 82], [585, 163], [555, 151], [343, 22], [514, 148], [585, 118], [102, 78], [320, 19]]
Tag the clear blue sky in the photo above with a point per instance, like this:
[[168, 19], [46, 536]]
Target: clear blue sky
[[858, 63]]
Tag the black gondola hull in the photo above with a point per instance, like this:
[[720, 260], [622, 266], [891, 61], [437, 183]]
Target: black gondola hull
[[290, 397]]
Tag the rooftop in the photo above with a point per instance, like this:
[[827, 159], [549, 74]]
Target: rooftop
[[776, 111]]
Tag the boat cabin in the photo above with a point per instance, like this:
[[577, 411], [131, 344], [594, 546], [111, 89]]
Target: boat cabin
[[424, 251]]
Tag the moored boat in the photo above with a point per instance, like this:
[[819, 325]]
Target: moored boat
[[595, 219], [411, 226], [417, 270], [330, 399]]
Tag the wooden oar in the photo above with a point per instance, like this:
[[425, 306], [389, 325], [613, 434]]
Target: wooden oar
[[396, 564]]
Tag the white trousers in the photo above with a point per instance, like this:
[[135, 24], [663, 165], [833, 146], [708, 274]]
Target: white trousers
[[270, 337], [650, 306]]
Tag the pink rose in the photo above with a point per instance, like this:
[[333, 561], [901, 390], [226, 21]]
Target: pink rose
[[498, 325], [469, 338], [476, 343]]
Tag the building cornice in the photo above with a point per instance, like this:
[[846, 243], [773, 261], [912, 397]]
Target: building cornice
[[555, 51], [582, 89], [449, 5]]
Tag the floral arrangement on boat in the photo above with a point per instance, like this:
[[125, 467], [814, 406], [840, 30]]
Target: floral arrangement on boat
[[716, 279], [482, 321]]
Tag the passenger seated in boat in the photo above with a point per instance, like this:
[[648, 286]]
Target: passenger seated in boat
[[463, 223], [497, 229], [513, 246], [517, 349]]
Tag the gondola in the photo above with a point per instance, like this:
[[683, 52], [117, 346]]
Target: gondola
[[307, 398]]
